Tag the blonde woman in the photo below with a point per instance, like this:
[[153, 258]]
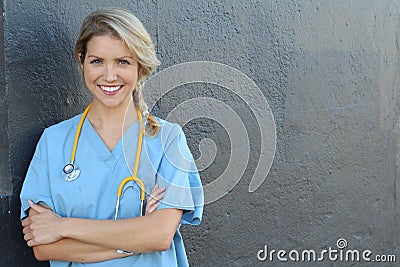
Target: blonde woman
[[69, 211]]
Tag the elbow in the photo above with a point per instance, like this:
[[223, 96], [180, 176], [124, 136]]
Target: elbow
[[164, 246], [39, 253], [165, 241], [157, 241]]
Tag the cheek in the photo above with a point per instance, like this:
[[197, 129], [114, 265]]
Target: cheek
[[129, 76], [91, 75]]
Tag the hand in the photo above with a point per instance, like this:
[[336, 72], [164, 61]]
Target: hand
[[42, 226], [154, 200]]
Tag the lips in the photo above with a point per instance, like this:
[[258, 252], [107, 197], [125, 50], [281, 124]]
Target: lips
[[110, 90]]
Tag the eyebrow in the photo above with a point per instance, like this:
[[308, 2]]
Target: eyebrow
[[115, 58]]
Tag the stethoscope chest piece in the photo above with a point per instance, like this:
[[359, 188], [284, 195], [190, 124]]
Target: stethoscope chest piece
[[71, 172]]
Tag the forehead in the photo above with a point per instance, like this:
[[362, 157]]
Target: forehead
[[107, 46]]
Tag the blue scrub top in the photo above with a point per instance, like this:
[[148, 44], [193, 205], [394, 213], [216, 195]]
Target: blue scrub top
[[165, 160]]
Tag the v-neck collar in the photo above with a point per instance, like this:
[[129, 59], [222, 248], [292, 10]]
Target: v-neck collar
[[110, 158]]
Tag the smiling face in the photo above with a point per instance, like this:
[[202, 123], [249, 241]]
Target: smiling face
[[110, 71]]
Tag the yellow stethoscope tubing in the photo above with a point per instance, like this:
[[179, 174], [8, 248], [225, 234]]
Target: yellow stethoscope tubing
[[78, 133], [135, 168]]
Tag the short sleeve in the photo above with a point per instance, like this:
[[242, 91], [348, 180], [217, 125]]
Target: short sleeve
[[36, 184], [178, 173]]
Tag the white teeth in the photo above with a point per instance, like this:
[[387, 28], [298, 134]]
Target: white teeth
[[110, 89]]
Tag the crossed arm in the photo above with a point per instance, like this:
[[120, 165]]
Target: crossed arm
[[84, 240]]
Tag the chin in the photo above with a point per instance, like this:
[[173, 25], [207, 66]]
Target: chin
[[114, 104]]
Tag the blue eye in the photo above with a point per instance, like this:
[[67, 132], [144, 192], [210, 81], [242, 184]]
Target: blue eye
[[95, 61], [124, 62]]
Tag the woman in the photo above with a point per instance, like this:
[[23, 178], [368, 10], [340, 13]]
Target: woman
[[68, 218]]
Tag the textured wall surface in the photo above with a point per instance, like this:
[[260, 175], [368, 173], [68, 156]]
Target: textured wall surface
[[329, 70]]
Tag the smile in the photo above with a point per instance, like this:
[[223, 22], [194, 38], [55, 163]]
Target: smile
[[110, 89]]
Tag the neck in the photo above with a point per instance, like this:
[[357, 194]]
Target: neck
[[112, 119]]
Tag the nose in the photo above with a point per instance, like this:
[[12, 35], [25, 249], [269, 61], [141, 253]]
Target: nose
[[110, 74]]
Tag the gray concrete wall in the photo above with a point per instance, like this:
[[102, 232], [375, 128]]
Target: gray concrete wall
[[329, 70]]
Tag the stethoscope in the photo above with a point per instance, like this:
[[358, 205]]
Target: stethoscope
[[71, 171]]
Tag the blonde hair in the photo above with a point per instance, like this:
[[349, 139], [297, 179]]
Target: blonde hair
[[124, 25]]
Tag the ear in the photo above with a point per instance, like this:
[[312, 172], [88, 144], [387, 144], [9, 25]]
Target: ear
[[79, 56], [140, 71]]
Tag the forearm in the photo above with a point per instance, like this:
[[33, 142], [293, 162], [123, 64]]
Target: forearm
[[71, 250], [139, 234]]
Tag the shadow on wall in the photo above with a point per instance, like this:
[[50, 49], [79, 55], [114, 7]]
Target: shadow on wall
[[44, 87]]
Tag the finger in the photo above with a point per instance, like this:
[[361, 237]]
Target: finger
[[154, 207], [151, 202], [154, 189], [26, 230], [26, 222], [149, 211], [159, 191], [159, 196], [36, 207], [28, 237], [31, 243]]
